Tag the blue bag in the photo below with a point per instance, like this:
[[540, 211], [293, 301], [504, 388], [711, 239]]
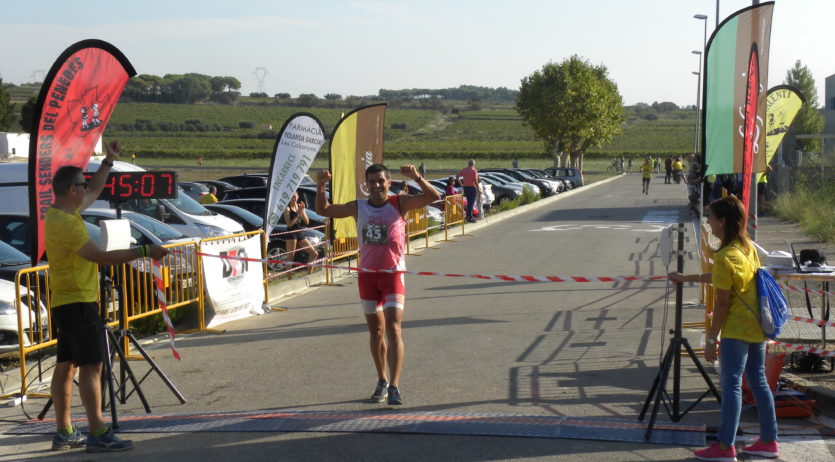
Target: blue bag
[[774, 309]]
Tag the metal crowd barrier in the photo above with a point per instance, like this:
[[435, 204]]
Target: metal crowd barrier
[[288, 270], [453, 213], [417, 224], [34, 326], [181, 276]]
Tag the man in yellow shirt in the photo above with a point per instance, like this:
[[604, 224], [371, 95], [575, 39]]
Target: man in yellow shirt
[[646, 175], [210, 197], [678, 170], [72, 263]]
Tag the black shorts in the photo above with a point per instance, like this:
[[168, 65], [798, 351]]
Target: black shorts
[[80, 333], [645, 180]]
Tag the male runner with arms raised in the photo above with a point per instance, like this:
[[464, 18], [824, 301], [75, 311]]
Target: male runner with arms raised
[[381, 231]]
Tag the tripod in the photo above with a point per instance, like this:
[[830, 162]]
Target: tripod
[[113, 339], [672, 359]]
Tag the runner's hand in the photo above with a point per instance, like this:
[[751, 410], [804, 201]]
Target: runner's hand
[[112, 150], [323, 176], [409, 171]]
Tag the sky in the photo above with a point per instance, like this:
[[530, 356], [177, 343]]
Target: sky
[[358, 47]]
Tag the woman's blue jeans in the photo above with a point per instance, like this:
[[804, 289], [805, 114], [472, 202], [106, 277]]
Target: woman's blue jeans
[[737, 356]]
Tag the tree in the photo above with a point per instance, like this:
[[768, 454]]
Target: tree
[[7, 112], [27, 114], [808, 120], [307, 100], [333, 96], [571, 106]]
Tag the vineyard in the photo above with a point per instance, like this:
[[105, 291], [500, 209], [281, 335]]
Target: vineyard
[[154, 130]]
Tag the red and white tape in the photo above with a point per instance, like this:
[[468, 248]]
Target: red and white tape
[[157, 269], [805, 289], [816, 322], [806, 348], [500, 277]]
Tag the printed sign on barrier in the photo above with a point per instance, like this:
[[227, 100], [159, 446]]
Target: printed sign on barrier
[[234, 285]]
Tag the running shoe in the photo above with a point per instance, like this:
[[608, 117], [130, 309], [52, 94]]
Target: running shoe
[[770, 450], [108, 442], [716, 453], [63, 442], [394, 396], [381, 392]]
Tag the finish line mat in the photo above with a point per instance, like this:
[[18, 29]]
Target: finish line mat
[[443, 423]]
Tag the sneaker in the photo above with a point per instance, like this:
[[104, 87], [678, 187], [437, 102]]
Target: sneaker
[[381, 392], [770, 450], [107, 443], [394, 396], [715, 453], [63, 442]]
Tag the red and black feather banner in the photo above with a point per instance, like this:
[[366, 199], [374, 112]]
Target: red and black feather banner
[[75, 103]]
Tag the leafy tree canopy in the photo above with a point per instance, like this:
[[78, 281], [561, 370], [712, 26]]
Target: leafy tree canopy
[[808, 120], [7, 111], [182, 88], [572, 106]]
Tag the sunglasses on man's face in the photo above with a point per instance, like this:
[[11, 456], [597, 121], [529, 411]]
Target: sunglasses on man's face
[[86, 186]]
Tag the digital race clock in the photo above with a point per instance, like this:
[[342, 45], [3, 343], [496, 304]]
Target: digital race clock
[[124, 186]]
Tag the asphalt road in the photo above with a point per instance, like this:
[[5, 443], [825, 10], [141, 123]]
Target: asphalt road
[[575, 349]]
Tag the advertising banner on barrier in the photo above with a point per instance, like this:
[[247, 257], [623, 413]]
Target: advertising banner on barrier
[[356, 144], [76, 100], [297, 144], [736, 75], [234, 288]]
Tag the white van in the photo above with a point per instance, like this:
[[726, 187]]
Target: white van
[[183, 213]]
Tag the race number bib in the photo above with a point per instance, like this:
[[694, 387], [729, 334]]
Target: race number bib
[[374, 233]]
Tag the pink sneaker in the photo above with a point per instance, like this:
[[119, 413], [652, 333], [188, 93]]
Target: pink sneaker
[[762, 449], [715, 453]]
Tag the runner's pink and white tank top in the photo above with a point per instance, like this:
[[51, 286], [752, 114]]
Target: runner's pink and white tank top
[[381, 232]]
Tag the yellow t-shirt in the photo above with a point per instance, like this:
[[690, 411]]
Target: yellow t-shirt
[[646, 169], [735, 272], [677, 166], [208, 198], [71, 278]]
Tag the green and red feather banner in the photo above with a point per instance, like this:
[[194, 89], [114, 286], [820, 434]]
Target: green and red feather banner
[[76, 100], [736, 76]]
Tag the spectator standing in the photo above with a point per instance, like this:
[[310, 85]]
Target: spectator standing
[[743, 346], [210, 197], [469, 178], [73, 257], [133, 158], [295, 217], [515, 163], [422, 170], [381, 229], [678, 170], [668, 167], [762, 183], [629, 165], [449, 189]]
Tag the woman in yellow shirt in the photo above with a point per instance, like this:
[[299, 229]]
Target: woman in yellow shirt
[[743, 341], [646, 175]]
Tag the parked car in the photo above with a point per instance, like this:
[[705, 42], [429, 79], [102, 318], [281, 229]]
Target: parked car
[[561, 185], [502, 188], [513, 181], [276, 244], [435, 209], [14, 231], [8, 317], [307, 194], [572, 174], [194, 190], [222, 186], [546, 187], [247, 180], [257, 205]]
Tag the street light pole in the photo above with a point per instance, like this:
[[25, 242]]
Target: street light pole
[[698, 99]]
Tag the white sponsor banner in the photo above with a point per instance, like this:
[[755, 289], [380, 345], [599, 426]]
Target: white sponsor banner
[[234, 288], [297, 144]]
